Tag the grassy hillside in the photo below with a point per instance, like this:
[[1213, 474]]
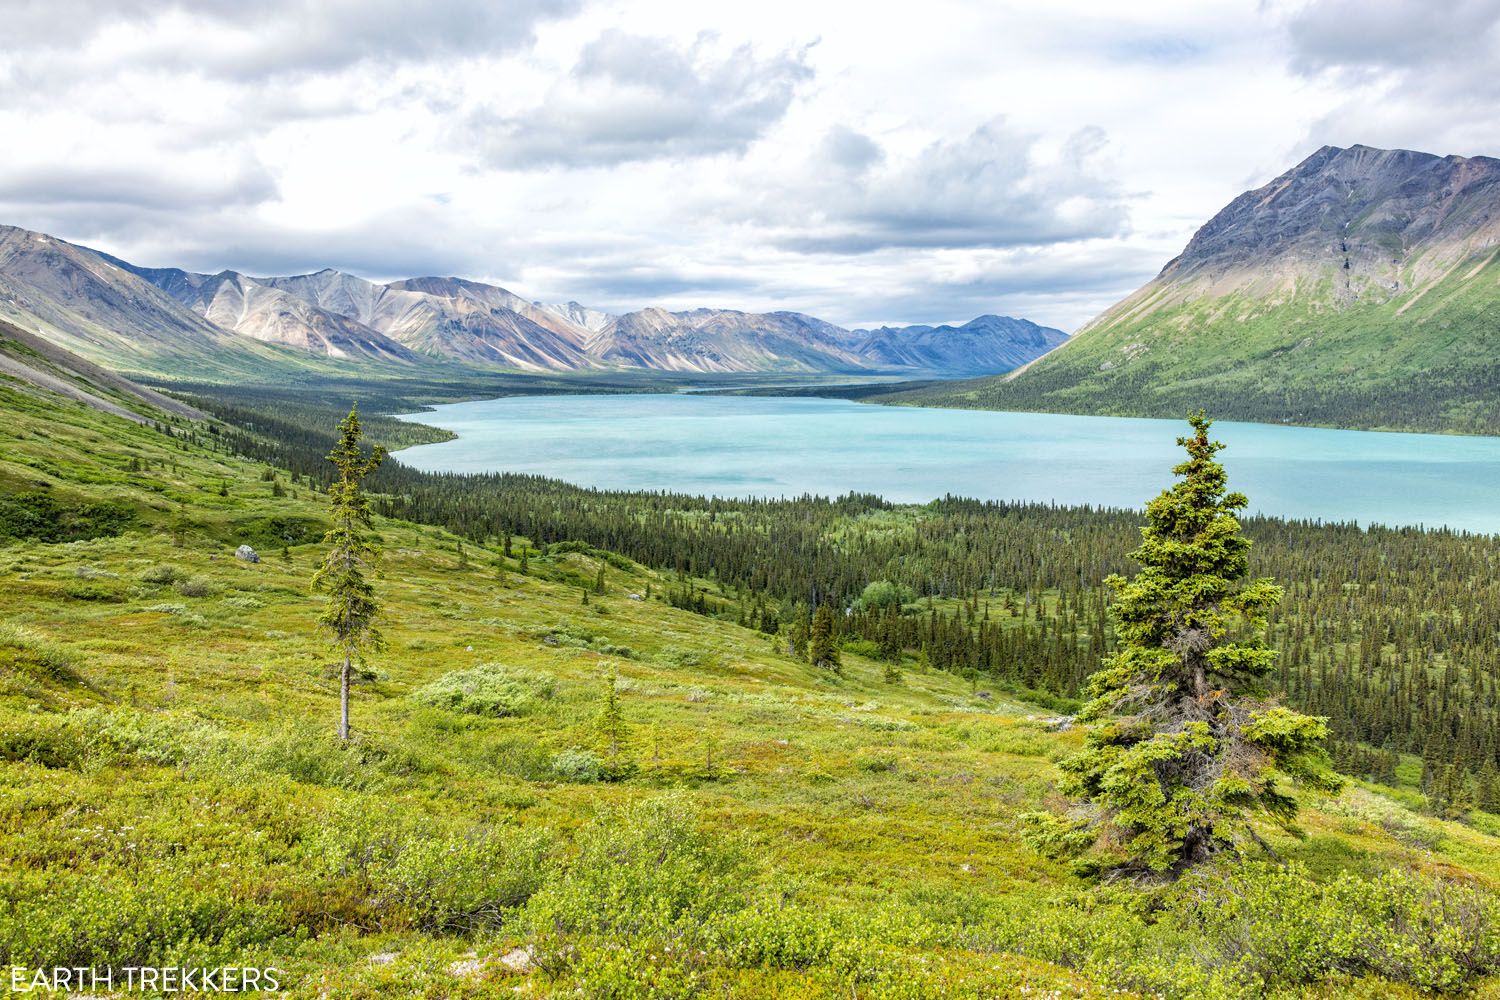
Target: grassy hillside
[[170, 791], [1424, 359]]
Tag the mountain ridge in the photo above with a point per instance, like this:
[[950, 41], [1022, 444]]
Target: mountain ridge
[[172, 322], [1360, 288]]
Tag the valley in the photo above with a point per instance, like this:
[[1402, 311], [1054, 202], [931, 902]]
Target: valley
[[171, 786], [568, 500]]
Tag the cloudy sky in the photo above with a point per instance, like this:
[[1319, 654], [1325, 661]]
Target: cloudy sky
[[866, 162]]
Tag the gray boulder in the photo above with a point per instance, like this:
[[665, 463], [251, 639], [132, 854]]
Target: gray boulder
[[246, 553]]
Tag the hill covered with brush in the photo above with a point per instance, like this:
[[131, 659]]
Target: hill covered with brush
[[576, 773]]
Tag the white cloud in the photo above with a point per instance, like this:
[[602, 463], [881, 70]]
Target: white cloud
[[631, 97], [880, 165]]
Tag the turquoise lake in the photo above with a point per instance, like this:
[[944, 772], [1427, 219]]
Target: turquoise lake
[[736, 446]]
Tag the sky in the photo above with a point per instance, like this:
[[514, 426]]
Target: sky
[[868, 163]]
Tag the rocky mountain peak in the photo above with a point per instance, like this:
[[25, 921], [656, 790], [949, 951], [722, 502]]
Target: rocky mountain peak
[[1359, 201]]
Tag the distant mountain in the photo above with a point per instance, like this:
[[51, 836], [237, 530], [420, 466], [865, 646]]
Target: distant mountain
[[472, 321], [723, 340], [1360, 288], [90, 306], [235, 302], [981, 346], [178, 323], [448, 318], [592, 320]]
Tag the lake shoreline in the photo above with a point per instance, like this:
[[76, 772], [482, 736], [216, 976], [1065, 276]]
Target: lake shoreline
[[740, 446]]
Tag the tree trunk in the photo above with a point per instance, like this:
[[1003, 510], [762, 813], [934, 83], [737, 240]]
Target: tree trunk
[[344, 701]]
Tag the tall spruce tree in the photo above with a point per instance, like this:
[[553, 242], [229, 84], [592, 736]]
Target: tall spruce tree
[[351, 609], [822, 650], [1187, 749]]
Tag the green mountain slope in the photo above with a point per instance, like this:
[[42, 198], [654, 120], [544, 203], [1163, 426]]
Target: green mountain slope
[[39, 366], [1361, 289]]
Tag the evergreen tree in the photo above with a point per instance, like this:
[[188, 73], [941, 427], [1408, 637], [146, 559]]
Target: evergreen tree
[[179, 527], [351, 610], [822, 651], [796, 637], [711, 757], [1185, 752], [1488, 797], [1448, 795], [614, 734]]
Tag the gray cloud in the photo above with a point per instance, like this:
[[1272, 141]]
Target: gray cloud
[[849, 150], [987, 189], [95, 186], [257, 39], [1408, 74], [398, 242], [631, 98], [1391, 34]]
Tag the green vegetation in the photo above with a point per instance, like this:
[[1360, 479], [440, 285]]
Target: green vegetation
[[1422, 358], [1186, 755], [351, 609], [170, 791]]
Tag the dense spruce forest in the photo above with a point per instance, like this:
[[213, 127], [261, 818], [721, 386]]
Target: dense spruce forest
[[1392, 633]]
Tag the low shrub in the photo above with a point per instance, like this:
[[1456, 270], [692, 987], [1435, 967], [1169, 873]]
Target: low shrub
[[46, 740], [1021, 742], [1265, 926], [875, 760], [163, 573], [489, 689], [41, 517], [435, 881], [775, 935], [33, 655], [582, 767], [676, 656], [111, 915], [643, 868], [101, 591], [568, 634], [196, 586], [275, 532]]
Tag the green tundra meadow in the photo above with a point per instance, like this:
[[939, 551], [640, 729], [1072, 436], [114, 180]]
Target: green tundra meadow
[[559, 783]]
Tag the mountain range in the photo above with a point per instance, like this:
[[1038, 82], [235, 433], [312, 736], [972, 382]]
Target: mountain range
[[996, 343], [175, 323], [1360, 288]]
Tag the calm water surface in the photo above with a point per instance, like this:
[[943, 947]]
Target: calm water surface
[[749, 446]]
